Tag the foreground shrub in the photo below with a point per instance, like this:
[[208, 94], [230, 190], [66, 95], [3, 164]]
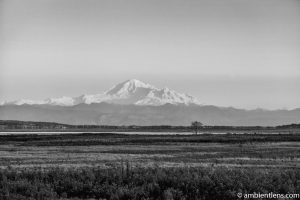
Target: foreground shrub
[[144, 183]]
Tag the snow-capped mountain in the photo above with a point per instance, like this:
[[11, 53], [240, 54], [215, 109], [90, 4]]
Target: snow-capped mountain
[[123, 105], [129, 92]]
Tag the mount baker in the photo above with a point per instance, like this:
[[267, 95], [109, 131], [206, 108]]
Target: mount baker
[[129, 92], [136, 103]]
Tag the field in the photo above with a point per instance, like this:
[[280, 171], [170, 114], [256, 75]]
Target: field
[[234, 155], [106, 150]]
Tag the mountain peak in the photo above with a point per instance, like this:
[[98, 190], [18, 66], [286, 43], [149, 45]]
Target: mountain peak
[[137, 83], [129, 86], [134, 81], [131, 91]]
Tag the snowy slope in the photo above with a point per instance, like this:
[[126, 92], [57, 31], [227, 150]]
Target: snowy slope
[[129, 92]]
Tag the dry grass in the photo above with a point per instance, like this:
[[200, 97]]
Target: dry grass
[[255, 154]]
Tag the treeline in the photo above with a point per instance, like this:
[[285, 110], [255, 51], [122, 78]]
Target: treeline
[[88, 139], [29, 125], [129, 183], [13, 124], [288, 126]]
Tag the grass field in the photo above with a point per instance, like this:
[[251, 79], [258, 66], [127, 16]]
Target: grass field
[[107, 150], [164, 167]]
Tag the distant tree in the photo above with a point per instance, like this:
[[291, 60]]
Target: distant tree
[[196, 126]]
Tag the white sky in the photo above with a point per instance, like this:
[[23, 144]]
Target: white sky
[[241, 53]]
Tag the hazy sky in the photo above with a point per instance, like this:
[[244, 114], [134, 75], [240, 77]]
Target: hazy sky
[[241, 53]]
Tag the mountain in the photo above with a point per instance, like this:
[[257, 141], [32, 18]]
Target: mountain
[[136, 103], [129, 92], [167, 114]]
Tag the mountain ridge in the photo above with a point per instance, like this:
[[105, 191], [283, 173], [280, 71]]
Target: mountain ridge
[[134, 102], [168, 114], [131, 91]]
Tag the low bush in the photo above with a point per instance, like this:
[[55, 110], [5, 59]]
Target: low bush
[[125, 182]]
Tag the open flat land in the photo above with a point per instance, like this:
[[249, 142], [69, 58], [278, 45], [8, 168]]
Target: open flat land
[[109, 150], [154, 167]]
